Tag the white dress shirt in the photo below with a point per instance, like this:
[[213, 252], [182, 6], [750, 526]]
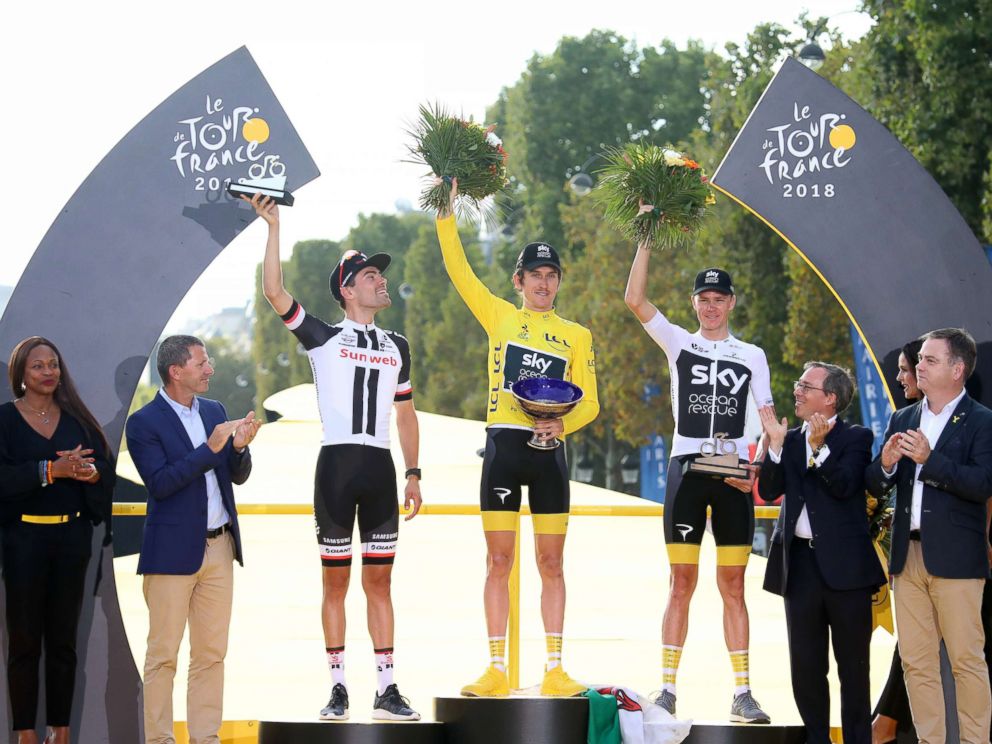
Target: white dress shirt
[[932, 425], [217, 515], [803, 527]]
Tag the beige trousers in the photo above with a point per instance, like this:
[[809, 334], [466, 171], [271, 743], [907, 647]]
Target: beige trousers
[[929, 608], [204, 601]]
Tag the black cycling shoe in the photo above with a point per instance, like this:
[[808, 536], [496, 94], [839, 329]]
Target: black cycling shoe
[[337, 707], [391, 706]]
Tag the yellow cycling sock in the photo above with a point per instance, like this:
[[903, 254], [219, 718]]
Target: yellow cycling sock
[[670, 657], [554, 650], [739, 663], [497, 652]]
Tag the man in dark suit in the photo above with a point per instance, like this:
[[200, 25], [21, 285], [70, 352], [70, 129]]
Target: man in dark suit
[[822, 560], [939, 455], [191, 535]]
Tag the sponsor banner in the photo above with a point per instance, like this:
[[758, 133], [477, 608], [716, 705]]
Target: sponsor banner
[[842, 190], [654, 469], [875, 406]]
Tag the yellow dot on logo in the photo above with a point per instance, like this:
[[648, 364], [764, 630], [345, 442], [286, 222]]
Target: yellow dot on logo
[[842, 136], [257, 130]]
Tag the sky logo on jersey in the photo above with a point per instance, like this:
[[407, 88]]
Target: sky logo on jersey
[[708, 374], [522, 362], [713, 397]]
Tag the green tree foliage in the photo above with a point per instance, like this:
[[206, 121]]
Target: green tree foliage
[[626, 358], [589, 93], [926, 73], [233, 382], [447, 344], [392, 234]]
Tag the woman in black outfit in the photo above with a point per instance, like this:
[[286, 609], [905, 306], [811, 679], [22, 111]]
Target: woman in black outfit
[[56, 481], [892, 713]]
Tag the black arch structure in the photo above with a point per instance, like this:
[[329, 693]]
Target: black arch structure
[[107, 277], [866, 216]]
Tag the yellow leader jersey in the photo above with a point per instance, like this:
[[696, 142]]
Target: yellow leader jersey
[[522, 343]]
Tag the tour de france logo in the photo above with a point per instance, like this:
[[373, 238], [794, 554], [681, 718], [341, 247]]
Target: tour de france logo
[[804, 155], [222, 143]]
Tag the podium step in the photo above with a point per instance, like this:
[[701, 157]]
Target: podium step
[[521, 720], [347, 732], [723, 732]]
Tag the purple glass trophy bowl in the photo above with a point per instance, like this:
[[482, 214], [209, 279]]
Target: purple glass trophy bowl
[[545, 398]]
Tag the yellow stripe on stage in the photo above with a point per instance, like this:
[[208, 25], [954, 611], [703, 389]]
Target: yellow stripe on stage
[[231, 732]]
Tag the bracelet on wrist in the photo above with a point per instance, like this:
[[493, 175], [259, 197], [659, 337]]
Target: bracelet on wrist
[[414, 472]]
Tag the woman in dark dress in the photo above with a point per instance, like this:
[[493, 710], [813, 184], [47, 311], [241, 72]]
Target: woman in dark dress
[[56, 482], [892, 713]]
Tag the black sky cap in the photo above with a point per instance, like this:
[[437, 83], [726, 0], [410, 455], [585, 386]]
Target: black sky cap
[[350, 264], [715, 280], [538, 254]]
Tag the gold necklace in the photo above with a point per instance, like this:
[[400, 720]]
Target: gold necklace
[[43, 415]]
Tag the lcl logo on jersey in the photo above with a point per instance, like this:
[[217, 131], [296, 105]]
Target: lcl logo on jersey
[[708, 374], [556, 343]]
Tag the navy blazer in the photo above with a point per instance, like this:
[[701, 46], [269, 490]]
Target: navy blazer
[[957, 480], [834, 497], [175, 531]]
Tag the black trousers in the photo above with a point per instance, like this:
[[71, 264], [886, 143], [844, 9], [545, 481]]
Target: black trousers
[[44, 572], [815, 614]]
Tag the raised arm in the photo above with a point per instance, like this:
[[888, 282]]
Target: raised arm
[[636, 296], [272, 286], [476, 295]]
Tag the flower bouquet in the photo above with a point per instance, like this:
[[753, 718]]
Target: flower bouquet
[[879, 522], [454, 148], [672, 183], [880, 529]]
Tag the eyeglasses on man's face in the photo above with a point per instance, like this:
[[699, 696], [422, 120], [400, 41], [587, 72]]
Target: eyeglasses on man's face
[[804, 386]]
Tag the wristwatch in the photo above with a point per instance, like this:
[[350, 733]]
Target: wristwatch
[[413, 471]]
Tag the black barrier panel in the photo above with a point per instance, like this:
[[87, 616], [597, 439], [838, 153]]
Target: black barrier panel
[[842, 191], [107, 277]]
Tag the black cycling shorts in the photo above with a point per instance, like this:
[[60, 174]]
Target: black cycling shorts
[[731, 515], [510, 464], [350, 478]]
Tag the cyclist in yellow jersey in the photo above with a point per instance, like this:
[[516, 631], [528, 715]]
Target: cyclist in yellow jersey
[[529, 341]]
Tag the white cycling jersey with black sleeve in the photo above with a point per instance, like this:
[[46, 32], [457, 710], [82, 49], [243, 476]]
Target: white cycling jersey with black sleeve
[[711, 381]]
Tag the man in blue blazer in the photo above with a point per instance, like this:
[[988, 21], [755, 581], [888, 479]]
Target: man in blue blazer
[[938, 455], [822, 560], [188, 454]]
